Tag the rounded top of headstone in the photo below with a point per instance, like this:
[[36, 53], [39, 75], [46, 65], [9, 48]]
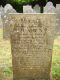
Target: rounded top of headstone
[[36, 8], [49, 3], [7, 7], [49, 8]]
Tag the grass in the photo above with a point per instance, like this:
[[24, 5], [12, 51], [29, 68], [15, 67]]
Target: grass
[[5, 51], [56, 58], [6, 58]]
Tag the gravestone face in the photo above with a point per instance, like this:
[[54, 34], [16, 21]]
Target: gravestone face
[[28, 9], [49, 8], [36, 8], [31, 45], [6, 28], [58, 19]]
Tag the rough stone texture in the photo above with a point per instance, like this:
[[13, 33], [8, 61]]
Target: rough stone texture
[[49, 8], [31, 45], [58, 19]]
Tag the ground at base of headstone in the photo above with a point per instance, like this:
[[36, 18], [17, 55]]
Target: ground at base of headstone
[[10, 78], [32, 79]]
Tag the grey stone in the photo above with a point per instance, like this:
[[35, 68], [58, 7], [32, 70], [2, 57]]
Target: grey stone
[[1, 13], [28, 9], [36, 8], [49, 8], [58, 6], [58, 19], [32, 45], [9, 9], [6, 28]]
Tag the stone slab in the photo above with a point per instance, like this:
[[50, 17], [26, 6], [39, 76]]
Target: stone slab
[[31, 44]]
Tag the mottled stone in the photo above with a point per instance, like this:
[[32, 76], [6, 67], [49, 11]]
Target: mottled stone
[[49, 8], [31, 44]]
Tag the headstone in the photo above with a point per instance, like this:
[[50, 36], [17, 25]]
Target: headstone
[[49, 8], [36, 8], [58, 6], [9, 9], [28, 9], [1, 14], [58, 19], [6, 29], [31, 45], [1, 25], [1, 11]]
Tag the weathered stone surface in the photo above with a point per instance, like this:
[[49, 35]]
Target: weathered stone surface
[[1, 25], [1, 11], [36, 8], [4, 16], [31, 45], [6, 28], [1, 15], [9, 9], [49, 8], [28, 9], [58, 19]]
